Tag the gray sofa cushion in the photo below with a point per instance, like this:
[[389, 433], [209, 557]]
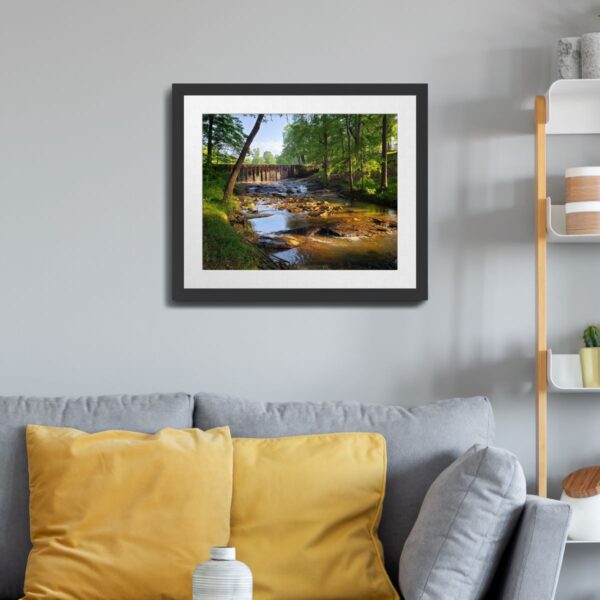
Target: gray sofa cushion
[[465, 523], [421, 443], [136, 413], [531, 565]]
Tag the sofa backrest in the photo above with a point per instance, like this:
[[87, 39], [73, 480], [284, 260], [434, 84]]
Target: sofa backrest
[[421, 443], [135, 413]]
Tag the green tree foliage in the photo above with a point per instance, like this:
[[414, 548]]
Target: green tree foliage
[[352, 151], [340, 145], [255, 157], [268, 158], [237, 167], [223, 136]]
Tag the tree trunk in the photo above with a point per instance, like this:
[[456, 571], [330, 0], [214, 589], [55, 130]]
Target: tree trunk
[[325, 151], [241, 158], [350, 173], [359, 147], [384, 164], [209, 145]]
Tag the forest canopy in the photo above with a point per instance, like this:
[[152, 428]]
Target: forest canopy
[[356, 149], [223, 137]]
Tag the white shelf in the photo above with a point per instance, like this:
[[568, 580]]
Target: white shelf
[[557, 229], [583, 542], [564, 374], [573, 106]]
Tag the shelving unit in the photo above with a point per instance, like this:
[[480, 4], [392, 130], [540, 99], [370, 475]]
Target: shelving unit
[[569, 107]]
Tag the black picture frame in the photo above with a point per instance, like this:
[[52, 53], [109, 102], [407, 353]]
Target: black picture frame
[[337, 296]]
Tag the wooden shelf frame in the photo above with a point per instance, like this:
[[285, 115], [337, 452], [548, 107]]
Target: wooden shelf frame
[[541, 260]]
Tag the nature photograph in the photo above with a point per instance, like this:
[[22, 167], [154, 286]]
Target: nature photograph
[[300, 191]]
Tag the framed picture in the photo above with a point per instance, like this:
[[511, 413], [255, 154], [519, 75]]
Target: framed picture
[[299, 193]]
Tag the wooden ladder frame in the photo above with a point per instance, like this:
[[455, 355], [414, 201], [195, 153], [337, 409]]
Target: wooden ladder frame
[[541, 249]]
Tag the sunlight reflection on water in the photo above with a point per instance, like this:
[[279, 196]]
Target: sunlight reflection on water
[[354, 252]]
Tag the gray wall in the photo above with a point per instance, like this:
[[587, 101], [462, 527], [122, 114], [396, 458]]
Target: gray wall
[[84, 194]]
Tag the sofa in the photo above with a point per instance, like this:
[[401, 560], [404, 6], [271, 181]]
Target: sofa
[[421, 443]]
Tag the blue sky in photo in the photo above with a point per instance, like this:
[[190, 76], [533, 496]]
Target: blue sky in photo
[[270, 134]]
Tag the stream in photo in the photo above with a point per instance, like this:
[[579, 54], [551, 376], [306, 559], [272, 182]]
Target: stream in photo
[[304, 226]]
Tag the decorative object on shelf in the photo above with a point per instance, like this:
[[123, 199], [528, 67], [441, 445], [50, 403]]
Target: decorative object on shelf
[[249, 226], [581, 489], [222, 577], [590, 357], [569, 58], [590, 55], [582, 209]]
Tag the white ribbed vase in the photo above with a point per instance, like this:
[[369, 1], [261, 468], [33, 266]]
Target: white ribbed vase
[[222, 577]]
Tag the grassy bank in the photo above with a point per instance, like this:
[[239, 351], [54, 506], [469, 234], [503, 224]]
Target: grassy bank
[[371, 193], [224, 248]]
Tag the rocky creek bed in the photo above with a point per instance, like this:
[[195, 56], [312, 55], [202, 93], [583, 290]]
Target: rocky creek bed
[[300, 225]]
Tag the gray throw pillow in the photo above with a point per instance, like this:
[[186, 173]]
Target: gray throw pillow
[[466, 520]]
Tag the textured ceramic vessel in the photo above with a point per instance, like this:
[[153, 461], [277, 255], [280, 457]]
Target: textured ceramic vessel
[[590, 55], [222, 577], [569, 58]]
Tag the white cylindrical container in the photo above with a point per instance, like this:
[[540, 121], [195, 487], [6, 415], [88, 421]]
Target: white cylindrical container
[[581, 490], [585, 520], [582, 209], [590, 55], [222, 577], [569, 58]]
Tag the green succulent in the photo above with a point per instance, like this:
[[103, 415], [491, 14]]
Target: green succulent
[[591, 337]]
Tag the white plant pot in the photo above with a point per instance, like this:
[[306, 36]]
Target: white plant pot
[[585, 521]]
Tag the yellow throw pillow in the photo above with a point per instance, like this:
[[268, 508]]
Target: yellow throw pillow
[[124, 516], [305, 513]]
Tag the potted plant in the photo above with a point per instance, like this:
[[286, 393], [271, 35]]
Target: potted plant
[[590, 357]]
